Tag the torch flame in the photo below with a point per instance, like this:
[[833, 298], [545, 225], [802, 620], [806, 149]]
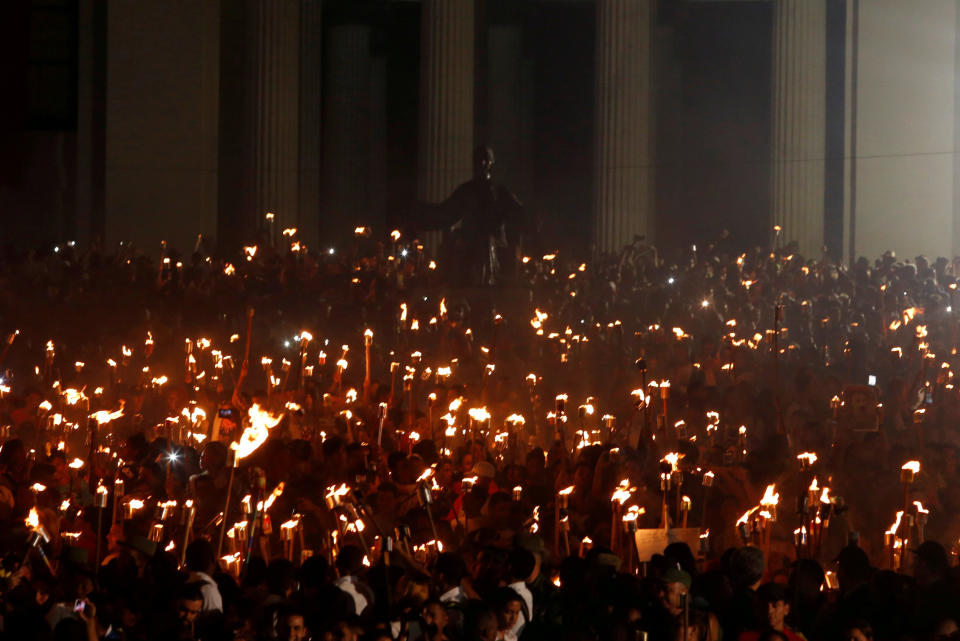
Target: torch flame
[[673, 458], [913, 466], [261, 422], [633, 512], [479, 413], [103, 416], [623, 492], [277, 492], [746, 516], [769, 497], [334, 491], [896, 524]]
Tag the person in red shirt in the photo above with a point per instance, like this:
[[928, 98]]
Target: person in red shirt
[[774, 605]]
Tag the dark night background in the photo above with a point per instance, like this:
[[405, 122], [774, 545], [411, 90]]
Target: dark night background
[[712, 76]]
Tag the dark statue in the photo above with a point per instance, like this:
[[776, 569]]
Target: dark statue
[[484, 227]]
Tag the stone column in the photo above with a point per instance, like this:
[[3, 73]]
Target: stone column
[[377, 180], [86, 45], [505, 114], [275, 108], [799, 122], [623, 186], [446, 97], [162, 106], [311, 43], [346, 139]]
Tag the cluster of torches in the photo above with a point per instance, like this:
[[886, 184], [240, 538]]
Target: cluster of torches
[[172, 524]]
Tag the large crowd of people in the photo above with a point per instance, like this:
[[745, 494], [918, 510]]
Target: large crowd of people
[[337, 443]]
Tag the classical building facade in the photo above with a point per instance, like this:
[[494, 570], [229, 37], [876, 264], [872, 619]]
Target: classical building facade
[[835, 120]]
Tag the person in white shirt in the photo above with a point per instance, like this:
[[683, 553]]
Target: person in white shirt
[[349, 566], [449, 571], [522, 564], [201, 563], [508, 606]]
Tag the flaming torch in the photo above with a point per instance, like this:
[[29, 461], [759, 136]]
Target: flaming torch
[[630, 526], [806, 460], [190, 512], [619, 497], [768, 512], [893, 542], [305, 338], [908, 472], [561, 504], [38, 536], [255, 435], [923, 514], [100, 500], [426, 498], [708, 478], [367, 345], [744, 525]]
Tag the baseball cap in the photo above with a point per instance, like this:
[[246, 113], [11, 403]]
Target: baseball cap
[[484, 469]]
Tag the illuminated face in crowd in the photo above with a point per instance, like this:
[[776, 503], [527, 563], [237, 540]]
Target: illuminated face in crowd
[[188, 611], [435, 614], [777, 613], [293, 628], [671, 597], [509, 615], [445, 474]]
